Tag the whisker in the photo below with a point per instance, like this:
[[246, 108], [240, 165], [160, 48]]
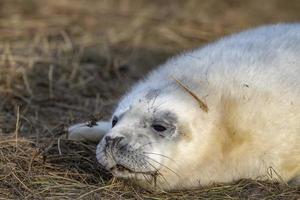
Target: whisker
[[153, 102], [108, 152], [157, 174], [156, 108], [147, 179], [162, 165], [161, 156], [144, 146]]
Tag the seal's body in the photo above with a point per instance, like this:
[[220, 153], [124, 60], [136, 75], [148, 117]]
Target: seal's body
[[227, 111]]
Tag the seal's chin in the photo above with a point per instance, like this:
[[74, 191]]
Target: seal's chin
[[122, 171]]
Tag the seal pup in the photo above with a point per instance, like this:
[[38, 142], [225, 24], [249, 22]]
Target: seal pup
[[227, 111]]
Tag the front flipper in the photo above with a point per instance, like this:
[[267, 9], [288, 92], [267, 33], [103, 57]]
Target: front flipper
[[89, 132]]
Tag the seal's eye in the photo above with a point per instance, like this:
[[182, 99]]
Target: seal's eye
[[114, 121], [159, 128]]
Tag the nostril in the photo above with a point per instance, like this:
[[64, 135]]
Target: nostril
[[113, 141], [108, 139], [118, 139]]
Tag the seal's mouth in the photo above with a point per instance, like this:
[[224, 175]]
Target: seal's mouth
[[119, 168]]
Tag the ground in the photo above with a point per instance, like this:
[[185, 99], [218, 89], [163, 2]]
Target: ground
[[71, 60]]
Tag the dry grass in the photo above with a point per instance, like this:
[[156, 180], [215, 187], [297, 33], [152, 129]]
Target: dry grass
[[68, 170], [70, 60]]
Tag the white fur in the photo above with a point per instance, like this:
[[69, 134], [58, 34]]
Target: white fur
[[251, 84]]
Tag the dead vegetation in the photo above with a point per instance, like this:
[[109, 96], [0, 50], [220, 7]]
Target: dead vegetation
[[63, 169], [66, 61]]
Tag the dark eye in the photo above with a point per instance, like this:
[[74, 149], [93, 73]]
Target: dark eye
[[114, 121], [159, 128]]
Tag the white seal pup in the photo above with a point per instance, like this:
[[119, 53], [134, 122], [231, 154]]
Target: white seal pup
[[227, 111]]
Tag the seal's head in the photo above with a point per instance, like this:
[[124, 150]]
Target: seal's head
[[150, 139]]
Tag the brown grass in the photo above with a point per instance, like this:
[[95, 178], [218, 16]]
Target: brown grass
[[71, 60], [68, 170]]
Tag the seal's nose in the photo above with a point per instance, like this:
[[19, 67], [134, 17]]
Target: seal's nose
[[113, 140], [108, 139]]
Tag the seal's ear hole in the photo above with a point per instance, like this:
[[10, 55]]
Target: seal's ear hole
[[158, 127], [114, 121]]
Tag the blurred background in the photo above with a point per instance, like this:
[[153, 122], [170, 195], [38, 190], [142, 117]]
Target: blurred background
[[65, 61], [69, 59]]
